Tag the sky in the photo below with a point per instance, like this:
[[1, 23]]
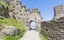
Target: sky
[[46, 7], [33, 25]]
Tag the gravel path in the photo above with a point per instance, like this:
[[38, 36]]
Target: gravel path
[[31, 35]]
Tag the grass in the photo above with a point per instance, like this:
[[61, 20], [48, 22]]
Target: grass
[[13, 22], [43, 37]]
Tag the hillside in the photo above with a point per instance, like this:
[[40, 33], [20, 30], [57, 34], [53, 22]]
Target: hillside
[[12, 22]]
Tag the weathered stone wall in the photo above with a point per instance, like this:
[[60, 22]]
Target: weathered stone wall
[[54, 30], [24, 14], [58, 12]]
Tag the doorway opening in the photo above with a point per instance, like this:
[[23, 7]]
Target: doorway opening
[[33, 25]]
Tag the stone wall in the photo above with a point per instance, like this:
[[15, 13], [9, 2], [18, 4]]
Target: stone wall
[[24, 15], [58, 12], [54, 29]]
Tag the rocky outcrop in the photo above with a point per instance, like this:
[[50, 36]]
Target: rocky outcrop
[[8, 30]]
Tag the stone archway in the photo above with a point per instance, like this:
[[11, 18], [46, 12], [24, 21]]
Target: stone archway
[[37, 27], [33, 25], [25, 16]]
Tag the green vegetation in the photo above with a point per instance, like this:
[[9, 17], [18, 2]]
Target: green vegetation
[[13, 22], [5, 4], [10, 21], [43, 37]]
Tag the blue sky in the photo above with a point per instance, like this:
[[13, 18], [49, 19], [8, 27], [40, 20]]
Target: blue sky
[[44, 6]]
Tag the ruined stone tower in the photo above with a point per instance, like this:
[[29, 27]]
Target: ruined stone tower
[[54, 29], [58, 12], [24, 14]]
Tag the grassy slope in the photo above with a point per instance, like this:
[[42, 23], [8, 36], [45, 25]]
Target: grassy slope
[[43, 37], [13, 22]]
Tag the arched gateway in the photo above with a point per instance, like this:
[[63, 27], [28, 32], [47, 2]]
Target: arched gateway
[[24, 14], [33, 25], [34, 18]]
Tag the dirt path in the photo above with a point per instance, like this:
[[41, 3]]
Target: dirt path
[[31, 35]]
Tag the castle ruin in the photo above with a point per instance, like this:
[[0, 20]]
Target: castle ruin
[[54, 29], [24, 14], [58, 12]]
